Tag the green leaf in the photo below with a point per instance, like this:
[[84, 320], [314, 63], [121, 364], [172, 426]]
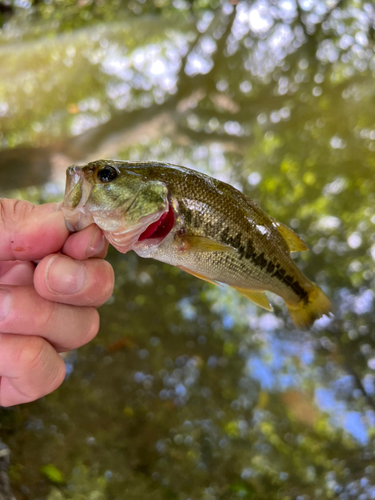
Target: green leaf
[[52, 473]]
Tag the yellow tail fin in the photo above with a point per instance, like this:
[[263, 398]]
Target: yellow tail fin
[[307, 311]]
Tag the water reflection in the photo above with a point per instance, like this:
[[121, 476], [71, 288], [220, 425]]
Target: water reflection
[[190, 391]]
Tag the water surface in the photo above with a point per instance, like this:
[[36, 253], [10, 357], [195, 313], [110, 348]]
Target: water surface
[[189, 391]]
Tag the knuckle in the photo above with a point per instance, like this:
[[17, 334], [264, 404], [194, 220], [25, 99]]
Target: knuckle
[[49, 316], [108, 283], [93, 323], [43, 373], [31, 353], [110, 277], [85, 322], [13, 210], [58, 377], [12, 218], [50, 377]]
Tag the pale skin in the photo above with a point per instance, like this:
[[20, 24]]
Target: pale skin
[[49, 307]]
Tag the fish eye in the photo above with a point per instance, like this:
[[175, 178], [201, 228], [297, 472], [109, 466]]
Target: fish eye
[[107, 174]]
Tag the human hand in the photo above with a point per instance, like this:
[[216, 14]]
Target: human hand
[[49, 307]]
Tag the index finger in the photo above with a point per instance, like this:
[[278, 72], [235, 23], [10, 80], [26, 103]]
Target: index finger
[[29, 232]]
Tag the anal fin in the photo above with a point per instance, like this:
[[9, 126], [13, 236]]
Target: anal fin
[[200, 276], [259, 298]]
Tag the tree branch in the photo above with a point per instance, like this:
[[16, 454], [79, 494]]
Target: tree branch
[[358, 383]]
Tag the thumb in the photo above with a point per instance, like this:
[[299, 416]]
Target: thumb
[[29, 232]]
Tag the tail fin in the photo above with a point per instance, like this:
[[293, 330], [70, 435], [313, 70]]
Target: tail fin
[[308, 310]]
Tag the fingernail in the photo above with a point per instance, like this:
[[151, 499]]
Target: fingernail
[[5, 300], [65, 275], [96, 243]]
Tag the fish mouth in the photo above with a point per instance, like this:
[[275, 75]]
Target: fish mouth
[[77, 192]]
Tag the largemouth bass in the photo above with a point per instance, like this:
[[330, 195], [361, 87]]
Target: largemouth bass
[[199, 224]]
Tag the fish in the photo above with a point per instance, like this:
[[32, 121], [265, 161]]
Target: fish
[[197, 223]]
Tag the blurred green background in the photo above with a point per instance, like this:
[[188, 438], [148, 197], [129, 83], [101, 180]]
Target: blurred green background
[[190, 392]]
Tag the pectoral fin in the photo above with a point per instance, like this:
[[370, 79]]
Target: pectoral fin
[[203, 244], [259, 298], [294, 242], [200, 276]]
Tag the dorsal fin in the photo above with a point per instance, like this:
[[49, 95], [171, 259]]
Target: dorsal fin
[[294, 242]]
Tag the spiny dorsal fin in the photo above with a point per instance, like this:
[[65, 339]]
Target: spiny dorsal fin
[[259, 298], [294, 242], [203, 244]]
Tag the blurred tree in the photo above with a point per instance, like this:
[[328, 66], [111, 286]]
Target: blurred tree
[[190, 392]]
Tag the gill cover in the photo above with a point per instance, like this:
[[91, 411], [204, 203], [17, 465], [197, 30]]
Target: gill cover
[[148, 206]]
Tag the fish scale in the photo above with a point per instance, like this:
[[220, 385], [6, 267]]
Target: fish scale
[[239, 217], [192, 221]]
